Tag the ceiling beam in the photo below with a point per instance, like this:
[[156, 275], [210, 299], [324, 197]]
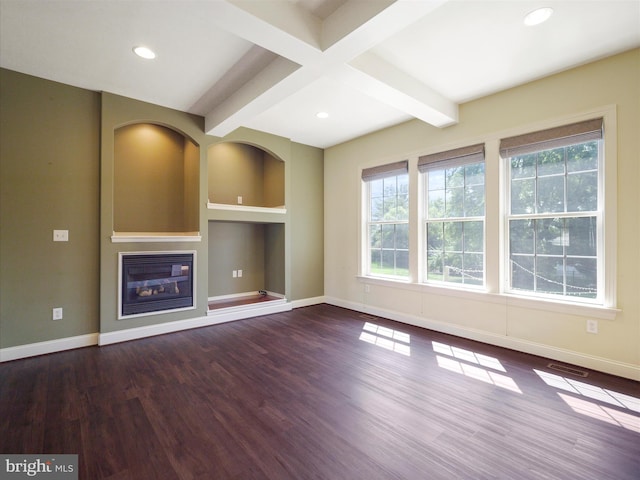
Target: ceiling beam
[[358, 26], [378, 78], [270, 86], [347, 36], [248, 19]]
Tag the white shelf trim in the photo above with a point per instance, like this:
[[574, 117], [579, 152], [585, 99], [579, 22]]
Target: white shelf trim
[[145, 237], [246, 208]]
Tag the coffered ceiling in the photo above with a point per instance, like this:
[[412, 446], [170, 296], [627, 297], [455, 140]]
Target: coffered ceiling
[[272, 65]]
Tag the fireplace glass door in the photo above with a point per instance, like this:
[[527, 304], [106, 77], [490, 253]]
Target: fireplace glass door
[[156, 282]]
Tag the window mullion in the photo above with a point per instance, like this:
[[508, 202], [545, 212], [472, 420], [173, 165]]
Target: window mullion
[[562, 261]]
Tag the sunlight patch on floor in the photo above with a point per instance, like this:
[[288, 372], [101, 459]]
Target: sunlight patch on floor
[[595, 394], [386, 338], [600, 412], [591, 391], [474, 365], [468, 356]]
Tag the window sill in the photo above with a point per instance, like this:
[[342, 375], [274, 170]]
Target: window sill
[[584, 310], [581, 309]]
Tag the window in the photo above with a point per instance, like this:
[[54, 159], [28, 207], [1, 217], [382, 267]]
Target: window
[[387, 191], [554, 220], [453, 218]]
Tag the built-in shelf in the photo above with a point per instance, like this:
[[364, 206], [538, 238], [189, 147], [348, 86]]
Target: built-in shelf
[[246, 213], [246, 208], [245, 179], [146, 237]]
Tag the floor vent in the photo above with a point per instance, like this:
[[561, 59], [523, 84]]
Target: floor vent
[[566, 369], [368, 317]]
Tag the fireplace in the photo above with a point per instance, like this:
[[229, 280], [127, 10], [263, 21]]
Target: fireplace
[[157, 282]]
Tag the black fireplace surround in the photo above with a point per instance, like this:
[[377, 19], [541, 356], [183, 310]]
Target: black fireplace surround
[[154, 282]]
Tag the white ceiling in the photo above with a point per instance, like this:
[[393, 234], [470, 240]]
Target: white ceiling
[[271, 65]]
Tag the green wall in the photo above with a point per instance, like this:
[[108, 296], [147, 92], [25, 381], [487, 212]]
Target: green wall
[[57, 172], [236, 246], [235, 170], [151, 180], [273, 181], [307, 222], [49, 179]]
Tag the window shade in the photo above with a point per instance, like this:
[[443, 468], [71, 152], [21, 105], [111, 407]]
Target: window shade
[[552, 138], [452, 158], [383, 171]]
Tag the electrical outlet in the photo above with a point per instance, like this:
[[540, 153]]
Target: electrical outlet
[[239, 273], [592, 326], [61, 235], [57, 313], [234, 274], [367, 289], [239, 199]]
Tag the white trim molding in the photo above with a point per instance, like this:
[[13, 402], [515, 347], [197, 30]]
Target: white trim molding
[[108, 338], [246, 208], [307, 302], [49, 346], [165, 237], [135, 333], [213, 317]]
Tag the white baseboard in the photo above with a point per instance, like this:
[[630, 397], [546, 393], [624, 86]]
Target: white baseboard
[[600, 364], [307, 302], [213, 317], [118, 336], [108, 338], [50, 346]]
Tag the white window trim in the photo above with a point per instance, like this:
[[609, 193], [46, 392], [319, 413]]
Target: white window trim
[[607, 193], [365, 265], [507, 300]]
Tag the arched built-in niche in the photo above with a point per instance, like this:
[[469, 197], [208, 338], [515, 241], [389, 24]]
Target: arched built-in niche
[[156, 180], [246, 236], [245, 177]]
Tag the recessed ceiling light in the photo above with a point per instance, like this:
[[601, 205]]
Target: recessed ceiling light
[[322, 115], [538, 16], [144, 52]]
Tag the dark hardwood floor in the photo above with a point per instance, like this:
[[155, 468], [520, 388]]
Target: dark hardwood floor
[[318, 393]]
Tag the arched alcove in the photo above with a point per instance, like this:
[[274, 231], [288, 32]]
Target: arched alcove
[[156, 180], [242, 174], [247, 219]]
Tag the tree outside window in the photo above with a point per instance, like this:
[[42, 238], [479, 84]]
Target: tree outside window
[[453, 216], [389, 226], [387, 222], [454, 224], [553, 221]]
